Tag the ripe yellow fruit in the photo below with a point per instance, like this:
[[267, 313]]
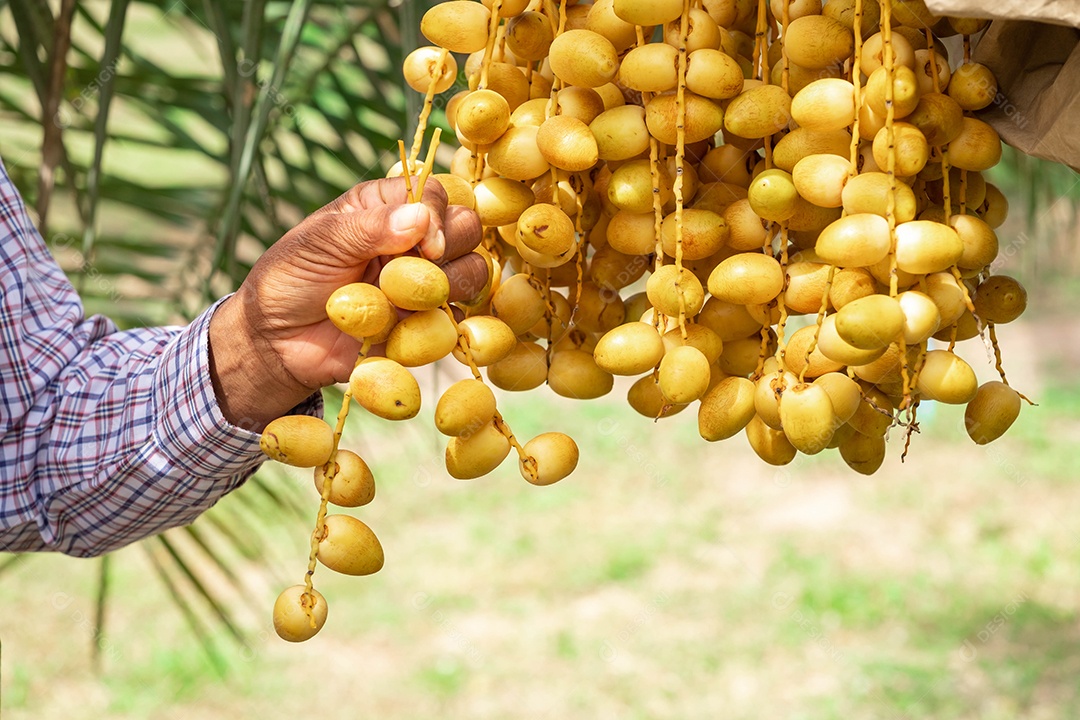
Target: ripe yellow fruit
[[464, 407], [1000, 299], [360, 310], [873, 53], [348, 546], [863, 453], [555, 454], [601, 18], [905, 91], [726, 409], [684, 375], [796, 358], [704, 234], [870, 323], [773, 196], [947, 378], [826, 104], [801, 142], [648, 12], [855, 241], [921, 316], [924, 247], [529, 36], [758, 112], [567, 143], [991, 412], [500, 201], [839, 350], [976, 148], [574, 374], [422, 338], [518, 303], [947, 295], [458, 190], [353, 484], [821, 179], [868, 192], [652, 68], [771, 445], [620, 133], [475, 455], [697, 336], [663, 291], [807, 417], [386, 389], [844, 393], [489, 339], [767, 392], [703, 118], [546, 229], [973, 87], [937, 117], [583, 104], [583, 58], [291, 621], [516, 154], [927, 64], [806, 286], [523, 369], [423, 64], [912, 149], [413, 283], [817, 41], [631, 187], [645, 398], [482, 116], [298, 440], [629, 349], [458, 25], [712, 74], [747, 279]]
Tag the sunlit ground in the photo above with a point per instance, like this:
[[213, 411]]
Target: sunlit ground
[[667, 578]]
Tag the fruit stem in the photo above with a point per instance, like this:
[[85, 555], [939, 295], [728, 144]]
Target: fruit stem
[[822, 311], [489, 49], [406, 171], [890, 200], [680, 159], [425, 113], [856, 81], [527, 461], [911, 427], [330, 470], [933, 60], [429, 165]]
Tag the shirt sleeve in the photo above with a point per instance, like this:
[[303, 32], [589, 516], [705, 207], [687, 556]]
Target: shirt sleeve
[[106, 436]]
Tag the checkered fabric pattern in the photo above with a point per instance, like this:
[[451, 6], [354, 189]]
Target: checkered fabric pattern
[[106, 436]]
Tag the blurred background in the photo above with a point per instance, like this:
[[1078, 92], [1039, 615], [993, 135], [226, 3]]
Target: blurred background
[[667, 578]]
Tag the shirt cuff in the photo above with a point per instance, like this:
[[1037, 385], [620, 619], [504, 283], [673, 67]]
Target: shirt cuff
[[191, 426]]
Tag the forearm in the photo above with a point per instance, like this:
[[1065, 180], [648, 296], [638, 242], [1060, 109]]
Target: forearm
[[127, 442]]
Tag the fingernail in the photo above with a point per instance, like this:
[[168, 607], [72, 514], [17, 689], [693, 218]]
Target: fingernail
[[437, 245], [405, 218]]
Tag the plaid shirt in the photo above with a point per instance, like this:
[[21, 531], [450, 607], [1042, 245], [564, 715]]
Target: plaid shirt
[[106, 437]]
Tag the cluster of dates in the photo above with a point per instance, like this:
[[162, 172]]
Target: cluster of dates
[[774, 212]]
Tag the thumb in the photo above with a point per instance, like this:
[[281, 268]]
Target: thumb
[[381, 230]]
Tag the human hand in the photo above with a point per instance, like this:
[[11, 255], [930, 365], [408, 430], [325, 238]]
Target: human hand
[[272, 345]]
